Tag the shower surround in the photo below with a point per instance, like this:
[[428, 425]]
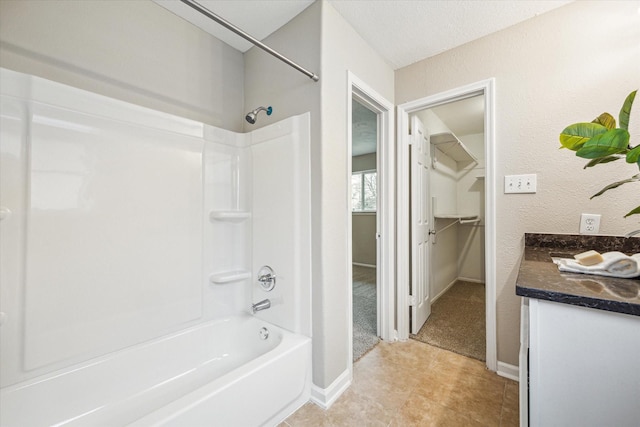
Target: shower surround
[[131, 241]]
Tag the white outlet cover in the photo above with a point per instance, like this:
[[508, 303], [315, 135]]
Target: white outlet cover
[[590, 223]]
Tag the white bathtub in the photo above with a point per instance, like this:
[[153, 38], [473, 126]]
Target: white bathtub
[[219, 373]]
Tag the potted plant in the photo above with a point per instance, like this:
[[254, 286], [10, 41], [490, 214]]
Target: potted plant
[[601, 142]]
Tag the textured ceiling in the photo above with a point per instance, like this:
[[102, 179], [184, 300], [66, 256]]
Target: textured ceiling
[[406, 31], [401, 31]]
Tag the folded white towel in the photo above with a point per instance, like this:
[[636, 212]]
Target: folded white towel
[[615, 264]]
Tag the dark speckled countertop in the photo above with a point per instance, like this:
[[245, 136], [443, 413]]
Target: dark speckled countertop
[[540, 278]]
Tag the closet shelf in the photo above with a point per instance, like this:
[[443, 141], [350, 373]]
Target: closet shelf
[[229, 276], [451, 146], [233, 216]]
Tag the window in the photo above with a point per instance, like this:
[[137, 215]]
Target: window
[[363, 191]]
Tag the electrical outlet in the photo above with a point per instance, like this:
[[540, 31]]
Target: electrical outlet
[[520, 183], [589, 223]]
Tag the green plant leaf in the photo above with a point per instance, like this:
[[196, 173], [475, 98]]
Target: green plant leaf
[[625, 111], [634, 178], [606, 120], [605, 144], [602, 160], [576, 135], [635, 211], [633, 156]]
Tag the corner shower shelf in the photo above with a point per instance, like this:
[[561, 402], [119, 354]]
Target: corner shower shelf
[[451, 146], [233, 216], [229, 276]]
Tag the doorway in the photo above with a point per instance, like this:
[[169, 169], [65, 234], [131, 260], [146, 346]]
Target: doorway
[[454, 133], [384, 235], [406, 288], [364, 208]]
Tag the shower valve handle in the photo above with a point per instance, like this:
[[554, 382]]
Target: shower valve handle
[[266, 278]]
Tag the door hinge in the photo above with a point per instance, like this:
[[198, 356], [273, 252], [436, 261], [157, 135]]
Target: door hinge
[[412, 301]]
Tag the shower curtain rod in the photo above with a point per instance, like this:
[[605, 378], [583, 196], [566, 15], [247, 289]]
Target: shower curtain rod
[[228, 25]]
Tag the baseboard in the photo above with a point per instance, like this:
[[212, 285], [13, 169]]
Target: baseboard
[[508, 371], [324, 397], [359, 264], [467, 279]]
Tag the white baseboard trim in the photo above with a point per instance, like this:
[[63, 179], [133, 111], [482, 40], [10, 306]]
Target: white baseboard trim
[[324, 397], [508, 371], [468, 279], [359, 264]]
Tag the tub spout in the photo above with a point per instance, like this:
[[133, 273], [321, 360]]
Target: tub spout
[[262, 305], [632, 233]]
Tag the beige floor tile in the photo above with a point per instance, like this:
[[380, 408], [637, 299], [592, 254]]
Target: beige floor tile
[[407, 353], [309, 415], [353, 409], [477, 397], [455, 365], [510, 418], [511, 395], [423, 412], [390, 385], [415, 384]]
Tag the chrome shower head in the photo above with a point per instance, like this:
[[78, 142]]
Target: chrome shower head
[[251, 117]]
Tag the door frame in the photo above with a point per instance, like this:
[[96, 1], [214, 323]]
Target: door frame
[[385, 216], [486, 88]]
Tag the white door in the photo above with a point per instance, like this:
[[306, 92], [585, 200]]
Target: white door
[[420, 224]]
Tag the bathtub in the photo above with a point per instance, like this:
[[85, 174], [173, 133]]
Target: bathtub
[[219, 373]]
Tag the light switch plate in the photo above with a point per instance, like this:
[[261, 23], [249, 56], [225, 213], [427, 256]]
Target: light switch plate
[[520, 183]]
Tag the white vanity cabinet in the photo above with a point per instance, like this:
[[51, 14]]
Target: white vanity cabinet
[[583, 366]]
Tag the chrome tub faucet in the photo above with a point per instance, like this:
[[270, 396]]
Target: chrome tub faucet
[[259, 306]]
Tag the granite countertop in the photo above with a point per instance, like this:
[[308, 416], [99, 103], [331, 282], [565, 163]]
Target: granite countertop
[[540, 278]]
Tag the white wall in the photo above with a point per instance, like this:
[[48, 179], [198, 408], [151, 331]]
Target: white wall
[[132, 50], [564, 66]]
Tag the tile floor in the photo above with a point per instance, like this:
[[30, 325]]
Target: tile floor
[[414, 384]]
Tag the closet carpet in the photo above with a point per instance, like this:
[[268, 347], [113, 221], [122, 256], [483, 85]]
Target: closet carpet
[[457, 321], [365, 311]]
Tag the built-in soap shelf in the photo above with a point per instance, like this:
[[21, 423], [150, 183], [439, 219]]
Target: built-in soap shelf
[[229, 276], [232, 216]]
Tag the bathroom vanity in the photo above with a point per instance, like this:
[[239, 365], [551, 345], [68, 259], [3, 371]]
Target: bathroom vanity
[[580, 337]]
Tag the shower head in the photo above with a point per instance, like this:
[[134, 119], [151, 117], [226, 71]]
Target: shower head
[[251, 117]]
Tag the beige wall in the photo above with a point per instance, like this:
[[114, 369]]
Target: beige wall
[[363, 225], [561, 67], [132, 50], [364, 162], [471, 198], [320, 40], [342, 49]]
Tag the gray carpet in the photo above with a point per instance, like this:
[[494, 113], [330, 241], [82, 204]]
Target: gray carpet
[[365, 315], [457, 321]]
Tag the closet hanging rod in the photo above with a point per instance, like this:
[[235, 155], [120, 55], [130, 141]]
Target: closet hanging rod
[[457, 221], [229, 26]]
